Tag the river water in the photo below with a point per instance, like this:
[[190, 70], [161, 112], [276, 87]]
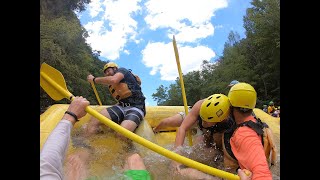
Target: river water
[[109, 154]]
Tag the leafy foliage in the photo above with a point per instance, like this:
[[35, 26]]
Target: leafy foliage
[[161, 95], [63, 46]]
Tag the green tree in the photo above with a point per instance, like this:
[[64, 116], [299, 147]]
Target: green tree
[[262, 24], [161, 95]]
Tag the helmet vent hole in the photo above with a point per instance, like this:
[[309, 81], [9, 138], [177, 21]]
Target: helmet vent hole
[[218, 97], [208, 104], [215, 104], [210, 98], [210, 117]]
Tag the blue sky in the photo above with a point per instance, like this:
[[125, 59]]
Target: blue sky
[[137, 35]]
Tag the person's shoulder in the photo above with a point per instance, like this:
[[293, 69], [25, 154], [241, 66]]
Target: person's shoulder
[[245, 133], [122, 70], [248, 130], [200, 101], [197, 105]]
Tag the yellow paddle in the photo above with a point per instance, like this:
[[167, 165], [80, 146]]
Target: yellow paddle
[[52, 81], [182, 85], [96, 93]]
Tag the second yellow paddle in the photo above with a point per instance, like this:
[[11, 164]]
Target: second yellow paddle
[[96, 93], [182, 86]]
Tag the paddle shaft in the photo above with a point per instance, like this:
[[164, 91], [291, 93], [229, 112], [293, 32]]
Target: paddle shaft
[[96, 93], [176, 53]]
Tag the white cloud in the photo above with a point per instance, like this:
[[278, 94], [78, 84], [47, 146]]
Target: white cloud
[[94, 27], [126, 52], [190, 19], [115, 27], [161, 58], [94, 8], [109, 42], [193, 33]]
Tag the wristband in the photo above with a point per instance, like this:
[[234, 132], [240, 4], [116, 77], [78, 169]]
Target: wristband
[[72, 114], [94, 79]]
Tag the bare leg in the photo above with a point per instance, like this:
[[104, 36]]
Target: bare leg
[[76, 167], [172, 121], [93, 126], [129, 125], [134, 162]]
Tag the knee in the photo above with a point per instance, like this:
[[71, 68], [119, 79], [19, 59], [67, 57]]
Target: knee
[[135, 162], [134, 157]]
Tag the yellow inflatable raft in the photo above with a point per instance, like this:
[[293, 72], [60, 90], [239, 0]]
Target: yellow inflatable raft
[[108, 147], [50, 118]]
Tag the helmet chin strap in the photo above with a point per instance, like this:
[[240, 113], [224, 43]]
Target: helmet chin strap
[[231, 110], [244, 109]]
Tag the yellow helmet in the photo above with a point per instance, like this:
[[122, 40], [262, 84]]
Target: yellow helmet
[[243, 95], [215, 108], [109, 64]]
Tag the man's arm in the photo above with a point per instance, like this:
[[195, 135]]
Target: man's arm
[[246, 146], [107, 80], [187, 123], [53, 151]]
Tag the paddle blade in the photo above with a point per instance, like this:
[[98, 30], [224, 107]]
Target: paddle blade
[[52, 81]]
